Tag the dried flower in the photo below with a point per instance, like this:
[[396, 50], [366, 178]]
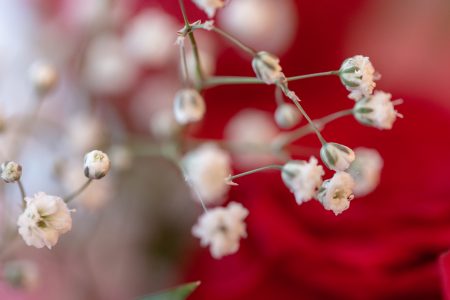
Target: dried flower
[[189, 106], [11, 171], [267, 67], [96, 164], [221, 228], [287, 115], [376, 110], [358, 75], [336, 193], [336, 156], [365, 170], [43, 77], [207, 167], [302, 178], [209, 6], [44, 219]]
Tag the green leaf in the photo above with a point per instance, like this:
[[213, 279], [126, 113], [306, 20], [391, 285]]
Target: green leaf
[[180, 292]]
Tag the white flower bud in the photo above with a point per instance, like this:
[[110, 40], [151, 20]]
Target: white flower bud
[[336, 156], [21, 274], [358, 74], [96, 164], [11, 171], [189, 106], [43, 77], [376, 110], [267, 67], [366, 170], [287, 115], [336, 193], [209, 6]]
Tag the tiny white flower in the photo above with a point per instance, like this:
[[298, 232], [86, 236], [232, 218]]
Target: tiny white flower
[[207, 167], [21, 274], [163, 125], [376, 110], [44, 219], [11, 171], [366, 170], [358, 74], [336, 193], [188, 106], [209, 6], [43, 77], [302, 178], [287, 115], [267, 67], [336, 156], [96, 164], [121, 156], [222, 228], [208, 25]]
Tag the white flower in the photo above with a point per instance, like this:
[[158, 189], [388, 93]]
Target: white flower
[[43, 77], [302, 178], [336, 156], [163, 125], [336, 193], [96, 164], [11, 171], [376, 110], [358, 75], [209, 6], [44, 219], [85, 132], [221, 228], [207, 167], [267, 67], [366, 170], [188, 106], [287, 115], [22, 274]]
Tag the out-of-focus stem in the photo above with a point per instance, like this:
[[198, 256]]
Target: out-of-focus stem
[[78, 191]]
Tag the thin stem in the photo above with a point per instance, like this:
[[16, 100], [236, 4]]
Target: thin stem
[[268, 167], [234, 40], [193, 187], [300, 77], [184, 65], [22, 193], [279, 96], [78, 191]]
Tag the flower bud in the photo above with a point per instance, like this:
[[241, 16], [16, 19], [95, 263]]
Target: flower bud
[[189, 106], [287, 115], [209, 6], [11, 171], [376, 110], [267, 67], [336, 156], [96, 164], [357, 75], [21, 274], [43, 77]]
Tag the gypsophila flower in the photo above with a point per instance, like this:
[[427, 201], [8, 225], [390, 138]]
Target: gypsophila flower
[[188, 106], [21, 274], [221, 228], [209, 6], [287, 115], [267, 67], [96, 164], [11, 171], [336, 193], [358, 74], [302, 178], [336, 156], [376, 110], [365, 170], [43, 77], [207, 167], [44, 219]]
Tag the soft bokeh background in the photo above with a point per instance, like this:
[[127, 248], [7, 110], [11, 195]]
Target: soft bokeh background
[[119, 70]]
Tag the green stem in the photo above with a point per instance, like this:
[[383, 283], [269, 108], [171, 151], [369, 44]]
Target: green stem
[[22, 193], [184, 65], [78, 191], [268, 167], [234, 40]]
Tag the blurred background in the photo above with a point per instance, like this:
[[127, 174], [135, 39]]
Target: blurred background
[[119, 72]]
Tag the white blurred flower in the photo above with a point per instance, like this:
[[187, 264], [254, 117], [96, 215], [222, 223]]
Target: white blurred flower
[[358, 74], [188, 106], [149, 37], [10, 171], [85, 132], [376, 110], [44, 219], [43, 77], [336, 193], [22, 274], [302, 178], [287, 115], [96, 164], [207, 167], [222, 228], [209, 6], [121, 156], [267, 67], [366, 170], [163, 124], [336, 156]]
